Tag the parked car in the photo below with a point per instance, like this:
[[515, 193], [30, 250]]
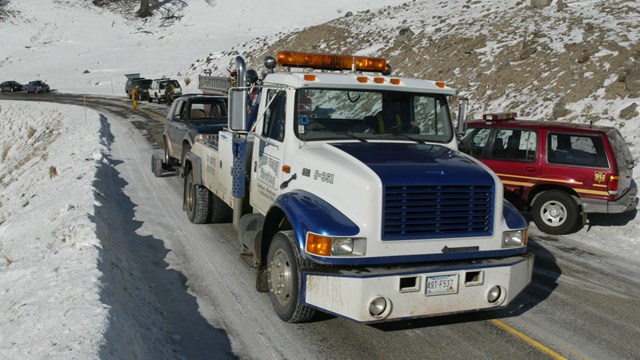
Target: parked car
[[142, 83], [559, 172], [192, 118], [37, 86], [11, 86], [158, 86]]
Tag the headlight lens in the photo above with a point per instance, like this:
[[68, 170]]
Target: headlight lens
[[515, 238], [335, 246], [202, 138], [342, 246]]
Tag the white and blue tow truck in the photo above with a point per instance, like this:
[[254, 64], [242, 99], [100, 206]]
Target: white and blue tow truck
[[350, 196]]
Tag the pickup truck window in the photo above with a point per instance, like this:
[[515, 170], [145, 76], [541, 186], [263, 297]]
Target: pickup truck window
[[335, 114]]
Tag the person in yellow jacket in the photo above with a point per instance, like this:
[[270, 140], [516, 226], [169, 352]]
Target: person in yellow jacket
[[135, 92]]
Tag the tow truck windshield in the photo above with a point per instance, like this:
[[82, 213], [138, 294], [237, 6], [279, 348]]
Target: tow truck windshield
[[333, 114]]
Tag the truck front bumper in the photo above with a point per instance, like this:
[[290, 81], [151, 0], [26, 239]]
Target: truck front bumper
[[383, 294]]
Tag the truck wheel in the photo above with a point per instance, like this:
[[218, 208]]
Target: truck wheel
[[283, 274], [220, 211], [196, 199], [156, 165], [555, 212]]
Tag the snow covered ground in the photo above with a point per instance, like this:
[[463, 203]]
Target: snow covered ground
[[50, 302], [49, 280]]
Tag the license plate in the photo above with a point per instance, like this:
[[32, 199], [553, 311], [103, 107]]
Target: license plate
[[442, 285]]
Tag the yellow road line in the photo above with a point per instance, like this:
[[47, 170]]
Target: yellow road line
[[528, 340], [154, 115]]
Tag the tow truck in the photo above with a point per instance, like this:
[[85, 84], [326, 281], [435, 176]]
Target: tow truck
[[350, 197]]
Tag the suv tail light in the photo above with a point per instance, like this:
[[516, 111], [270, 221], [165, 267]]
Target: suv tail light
[[613, 184]]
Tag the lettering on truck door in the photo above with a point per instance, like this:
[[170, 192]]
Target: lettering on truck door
[[269, 151]]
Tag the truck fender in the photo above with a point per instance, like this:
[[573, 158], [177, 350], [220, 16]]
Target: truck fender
[[512, 216], [304, 212]]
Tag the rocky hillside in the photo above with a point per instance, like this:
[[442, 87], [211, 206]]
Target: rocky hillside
[[569, 60]]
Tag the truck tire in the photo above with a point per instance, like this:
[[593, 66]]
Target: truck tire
[[196, 199], [220, 211], [284, 280], [156, 165], [555, 212]]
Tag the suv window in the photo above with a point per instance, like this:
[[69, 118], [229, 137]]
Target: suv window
[[474, 141], [620, 149], [515, 144], [578, 150]]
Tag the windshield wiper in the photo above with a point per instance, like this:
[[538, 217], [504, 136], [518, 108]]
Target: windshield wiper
[[355, 137], [411, 138]]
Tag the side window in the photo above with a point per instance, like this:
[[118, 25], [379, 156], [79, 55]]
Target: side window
[[579, 150], [514, 144], [275, 115], [179, 109], [474, 141]]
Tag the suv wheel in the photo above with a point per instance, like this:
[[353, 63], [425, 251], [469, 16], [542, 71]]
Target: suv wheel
[[555, 212]]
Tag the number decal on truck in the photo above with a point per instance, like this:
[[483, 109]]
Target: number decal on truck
[[323, 176]]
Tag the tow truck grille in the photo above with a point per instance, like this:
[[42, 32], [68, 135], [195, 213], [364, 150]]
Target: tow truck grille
[[437, 211]]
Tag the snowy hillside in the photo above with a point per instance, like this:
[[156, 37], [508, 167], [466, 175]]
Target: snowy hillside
[[574, 61]]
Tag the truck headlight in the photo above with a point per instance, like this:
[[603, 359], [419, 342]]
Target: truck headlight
[[203, 138], [335, 246], [515, 238]]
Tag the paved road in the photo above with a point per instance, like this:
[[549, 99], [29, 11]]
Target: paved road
[[582, 304]]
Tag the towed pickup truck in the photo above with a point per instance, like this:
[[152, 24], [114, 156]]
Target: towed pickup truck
[[192, 118], [350, 197]]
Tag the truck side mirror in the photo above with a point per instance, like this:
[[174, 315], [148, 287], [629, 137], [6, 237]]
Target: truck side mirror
[[237, 109], [462, 108]]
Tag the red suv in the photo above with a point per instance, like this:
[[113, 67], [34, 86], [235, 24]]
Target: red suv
[[559, 172]]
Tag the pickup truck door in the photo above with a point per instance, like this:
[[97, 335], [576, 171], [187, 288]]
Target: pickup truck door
[[176, 126], [268, 150]]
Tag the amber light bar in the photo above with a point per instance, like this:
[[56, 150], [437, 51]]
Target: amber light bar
[[499, 116], [331, 62]]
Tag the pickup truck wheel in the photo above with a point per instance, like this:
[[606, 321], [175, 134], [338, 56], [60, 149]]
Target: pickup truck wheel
[[156, 165], [185, 149], [555, 212], [169, 162], [283, 275], [196, 199]]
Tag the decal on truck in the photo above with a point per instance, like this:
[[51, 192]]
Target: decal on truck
[[268, 168]]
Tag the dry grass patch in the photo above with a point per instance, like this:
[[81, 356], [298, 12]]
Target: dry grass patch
[[5, 151]]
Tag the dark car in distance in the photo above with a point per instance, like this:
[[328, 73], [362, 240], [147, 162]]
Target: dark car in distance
[[142, 84], [37, 86], [11, 86]]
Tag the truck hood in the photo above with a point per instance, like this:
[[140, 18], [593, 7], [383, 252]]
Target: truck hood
[[417, 164]]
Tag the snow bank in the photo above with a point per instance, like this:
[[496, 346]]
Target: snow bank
[[48, 244]]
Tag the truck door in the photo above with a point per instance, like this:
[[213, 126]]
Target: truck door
[[176, 125], [268, 150]]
